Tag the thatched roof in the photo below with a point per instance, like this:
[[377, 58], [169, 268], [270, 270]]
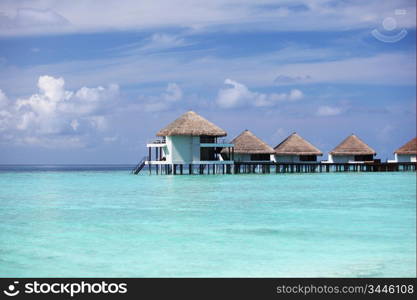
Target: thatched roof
[[352, 145], [296, 145], [191, 123], [409, 148], [248, 143]]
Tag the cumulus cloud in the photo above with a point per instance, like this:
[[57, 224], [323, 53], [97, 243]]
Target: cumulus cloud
[[55, 113], [325, 111], [238, 95]]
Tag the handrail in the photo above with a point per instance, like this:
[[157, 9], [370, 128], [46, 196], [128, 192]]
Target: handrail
[[140, 165], [157, 141], [218, 141]]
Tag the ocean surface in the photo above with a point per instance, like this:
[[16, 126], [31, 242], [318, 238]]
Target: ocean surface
[[90, 221]]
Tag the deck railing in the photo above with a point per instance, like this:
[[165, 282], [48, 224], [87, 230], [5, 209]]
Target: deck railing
[[157, 141], [204, 140]]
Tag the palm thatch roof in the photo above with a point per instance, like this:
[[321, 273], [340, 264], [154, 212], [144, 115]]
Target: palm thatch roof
[[408, 148], [191, 123], [248, 143], [296, 145], [352, 145]]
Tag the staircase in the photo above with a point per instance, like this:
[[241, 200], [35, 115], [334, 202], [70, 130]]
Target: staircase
[[140, 165]]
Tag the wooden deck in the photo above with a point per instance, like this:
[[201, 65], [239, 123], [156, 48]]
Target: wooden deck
[[277, 168]]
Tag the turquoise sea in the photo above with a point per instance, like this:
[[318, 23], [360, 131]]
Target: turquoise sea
[[90, 221]]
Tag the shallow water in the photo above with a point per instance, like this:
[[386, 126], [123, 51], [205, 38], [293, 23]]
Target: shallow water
[[89, 221]]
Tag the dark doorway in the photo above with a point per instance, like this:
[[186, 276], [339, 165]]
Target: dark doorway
[[308, 157], [260, 157]]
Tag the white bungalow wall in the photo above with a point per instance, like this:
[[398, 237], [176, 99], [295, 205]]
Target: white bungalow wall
[[340, 158], [182, 149], [405, 158]]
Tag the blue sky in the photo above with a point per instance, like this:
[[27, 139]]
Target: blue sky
[[92, 81]]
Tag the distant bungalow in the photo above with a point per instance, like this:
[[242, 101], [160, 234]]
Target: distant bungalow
[[248, 147], [295, 149], [190, 139], [351, 150], [407, 153]]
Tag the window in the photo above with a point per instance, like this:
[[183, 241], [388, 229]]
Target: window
[[207, 139], [364, 157], [207, 153], [308, 157], [259, 157]]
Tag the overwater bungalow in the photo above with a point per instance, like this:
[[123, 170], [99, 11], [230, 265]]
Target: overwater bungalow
[[295, 149], [249, 148], [351, 150], [193, 145], [407, 152], [191, 140]]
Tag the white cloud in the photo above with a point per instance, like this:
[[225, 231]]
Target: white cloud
[[159, 41], [295, 95], [5, 118], [16, 20], [328, 111], [98, 122], [237, 95], [173, 93], [74, 125], [258, 70], [45, 17], [54, 111], [3, 99]]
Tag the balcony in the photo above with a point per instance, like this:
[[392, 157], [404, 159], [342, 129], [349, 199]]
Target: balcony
[[156, 143], [210, 141]]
